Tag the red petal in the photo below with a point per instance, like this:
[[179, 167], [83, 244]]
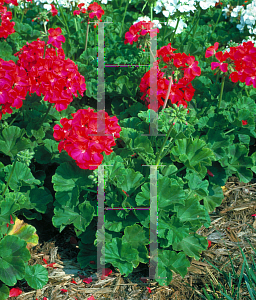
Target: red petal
[[51, 265], [73, 281], [14, 292], [149, 290], [87, 280], [143, 280], [45, 260], [210, 173], [209, 244], [11, 222], [107, 272], [63, 291]]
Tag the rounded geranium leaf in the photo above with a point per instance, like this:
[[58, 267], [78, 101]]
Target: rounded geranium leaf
[[36, 276]]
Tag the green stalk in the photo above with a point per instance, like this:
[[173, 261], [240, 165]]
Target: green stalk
[[221, 92], [163, 145], [76, 25], [229, 131], [23, 11], [194, 23], [193, 33], [61, 21], [166, 27], [121, 31], [121, 4], [216, 24], [172, 36], [151, 12], [87, 33], [60, 8], [178, 170], [10, 176], [46, 114]]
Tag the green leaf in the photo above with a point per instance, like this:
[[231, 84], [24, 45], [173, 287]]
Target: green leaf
[[172, 229], [36, 276], [25, 232], [217, 142], [193, 154], [9, 143], [8, 207], [6, 52], [191, 210], [21, 176], [68, 175], [196, 184], [192, 245], [135, 235], [169, 193], [79, 218], [131, 181], [238, 162], [4, 291], [121, 255], [170, 260], [39, 198], [13, 256], [214, 198]]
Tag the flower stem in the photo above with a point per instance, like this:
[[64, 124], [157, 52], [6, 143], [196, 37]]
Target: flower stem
[[178, 171], [216, 24], [60, 8], [23, 12], [163, 145], [221, 92], [168, 93], [87, 33], [46, 114], [121, 31], [10, 176], [172, 36], [229, 131], [194, 23]]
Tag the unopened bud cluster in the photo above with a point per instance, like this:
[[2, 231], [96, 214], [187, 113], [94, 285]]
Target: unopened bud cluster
[[25, 156], [178, 113]]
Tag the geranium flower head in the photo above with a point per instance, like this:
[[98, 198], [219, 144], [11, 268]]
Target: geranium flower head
[[211, 50], [55, 38]]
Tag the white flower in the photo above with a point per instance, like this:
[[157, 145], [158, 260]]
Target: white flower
[[180, 27], [147, 19], [204, 4]]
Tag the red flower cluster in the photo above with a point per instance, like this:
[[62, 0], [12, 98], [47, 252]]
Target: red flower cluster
[[138, 30], [240, 59], [13, 86], [53, 76], [94, 10], [180, 92], [6, 27], [76, 137]]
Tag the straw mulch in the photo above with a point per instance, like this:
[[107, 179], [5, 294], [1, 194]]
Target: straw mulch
[[232, 225]]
